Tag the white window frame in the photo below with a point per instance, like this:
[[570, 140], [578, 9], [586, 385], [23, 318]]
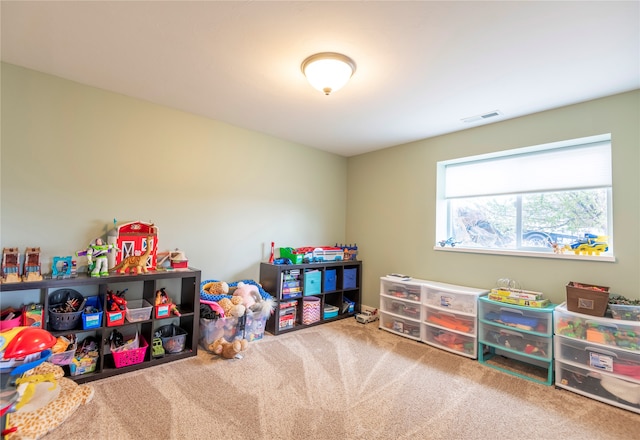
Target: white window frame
[[596, 177]]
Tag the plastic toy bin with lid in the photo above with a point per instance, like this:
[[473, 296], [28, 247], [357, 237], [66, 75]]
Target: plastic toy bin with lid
[[330, 311]]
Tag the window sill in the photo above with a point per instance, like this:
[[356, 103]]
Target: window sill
[[513, 253]]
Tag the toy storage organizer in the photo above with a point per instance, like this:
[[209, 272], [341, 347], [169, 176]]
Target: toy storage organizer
[[312, 293], [598, 357], [522, 334], [250, 326], [182, 287], [438, 314]]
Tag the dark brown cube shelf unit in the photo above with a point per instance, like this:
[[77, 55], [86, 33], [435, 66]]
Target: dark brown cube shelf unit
[[183, 286], [340, 286]]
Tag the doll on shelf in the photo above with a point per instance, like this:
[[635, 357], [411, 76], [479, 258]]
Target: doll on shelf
[[97, 256]]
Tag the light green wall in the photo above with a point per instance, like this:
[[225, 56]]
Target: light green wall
[[391, 199], [74, 157]]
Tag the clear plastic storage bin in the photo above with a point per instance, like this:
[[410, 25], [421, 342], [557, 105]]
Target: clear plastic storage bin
[[138, 310]]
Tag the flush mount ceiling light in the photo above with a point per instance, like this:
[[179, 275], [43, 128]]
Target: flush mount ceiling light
[[328, 71]]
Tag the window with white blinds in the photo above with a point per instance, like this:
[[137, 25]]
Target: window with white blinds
[[541, 198]]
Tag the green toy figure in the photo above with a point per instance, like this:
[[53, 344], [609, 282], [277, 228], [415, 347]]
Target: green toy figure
[[98, 251]]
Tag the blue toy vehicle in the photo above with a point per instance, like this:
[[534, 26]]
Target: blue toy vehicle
[[449, 241]]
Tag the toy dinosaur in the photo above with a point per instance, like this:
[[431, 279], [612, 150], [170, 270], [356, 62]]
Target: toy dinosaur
[[135, 262]]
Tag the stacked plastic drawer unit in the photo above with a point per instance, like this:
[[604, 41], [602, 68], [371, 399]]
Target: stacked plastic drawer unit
[[451, 316], [400, 307], [439, 314], [522, 334], [598, 357]]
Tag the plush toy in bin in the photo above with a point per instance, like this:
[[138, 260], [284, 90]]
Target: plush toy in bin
[[216, 287], [232, 307], [249, 293]]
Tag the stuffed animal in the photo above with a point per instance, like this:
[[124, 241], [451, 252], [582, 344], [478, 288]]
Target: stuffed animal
[[216, 288], [55, 399], [228, 350], [232, 307], [249, 293]]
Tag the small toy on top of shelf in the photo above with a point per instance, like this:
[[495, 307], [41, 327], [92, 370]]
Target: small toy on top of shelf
[[509, 291], [11, 265], [449, 241], [133, 239], [63, 267], [96, 254], [137, 263], [321, 254], [589, 245], [310, 254], [350, 251], [178, 259], [32, 269], [557, 248]]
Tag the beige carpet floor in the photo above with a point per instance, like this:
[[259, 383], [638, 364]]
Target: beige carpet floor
[[342, 380]]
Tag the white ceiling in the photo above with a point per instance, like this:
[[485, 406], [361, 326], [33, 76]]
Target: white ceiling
[[421, 66]]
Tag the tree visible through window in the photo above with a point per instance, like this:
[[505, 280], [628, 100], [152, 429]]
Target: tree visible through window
[[513, 201]]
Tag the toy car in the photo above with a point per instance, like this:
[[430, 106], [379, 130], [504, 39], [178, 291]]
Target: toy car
[[157, 348], [449, 241], [590, 244], [366, 317]]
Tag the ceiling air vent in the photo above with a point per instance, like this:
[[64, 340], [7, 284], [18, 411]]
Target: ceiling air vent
[[482, 117]]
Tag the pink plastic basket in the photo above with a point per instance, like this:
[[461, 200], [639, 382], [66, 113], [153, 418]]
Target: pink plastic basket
[[6, 324], [130, 357]]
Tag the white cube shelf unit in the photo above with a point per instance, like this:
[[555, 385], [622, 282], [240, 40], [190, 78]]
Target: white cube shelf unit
[[439, 314]]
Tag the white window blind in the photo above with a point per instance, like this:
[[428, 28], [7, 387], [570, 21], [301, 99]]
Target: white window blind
[[582, 166]]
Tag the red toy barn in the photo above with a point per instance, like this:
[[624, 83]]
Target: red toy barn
[[131, 239]]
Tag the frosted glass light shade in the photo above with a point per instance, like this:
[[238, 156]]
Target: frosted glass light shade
[[328, 71]]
